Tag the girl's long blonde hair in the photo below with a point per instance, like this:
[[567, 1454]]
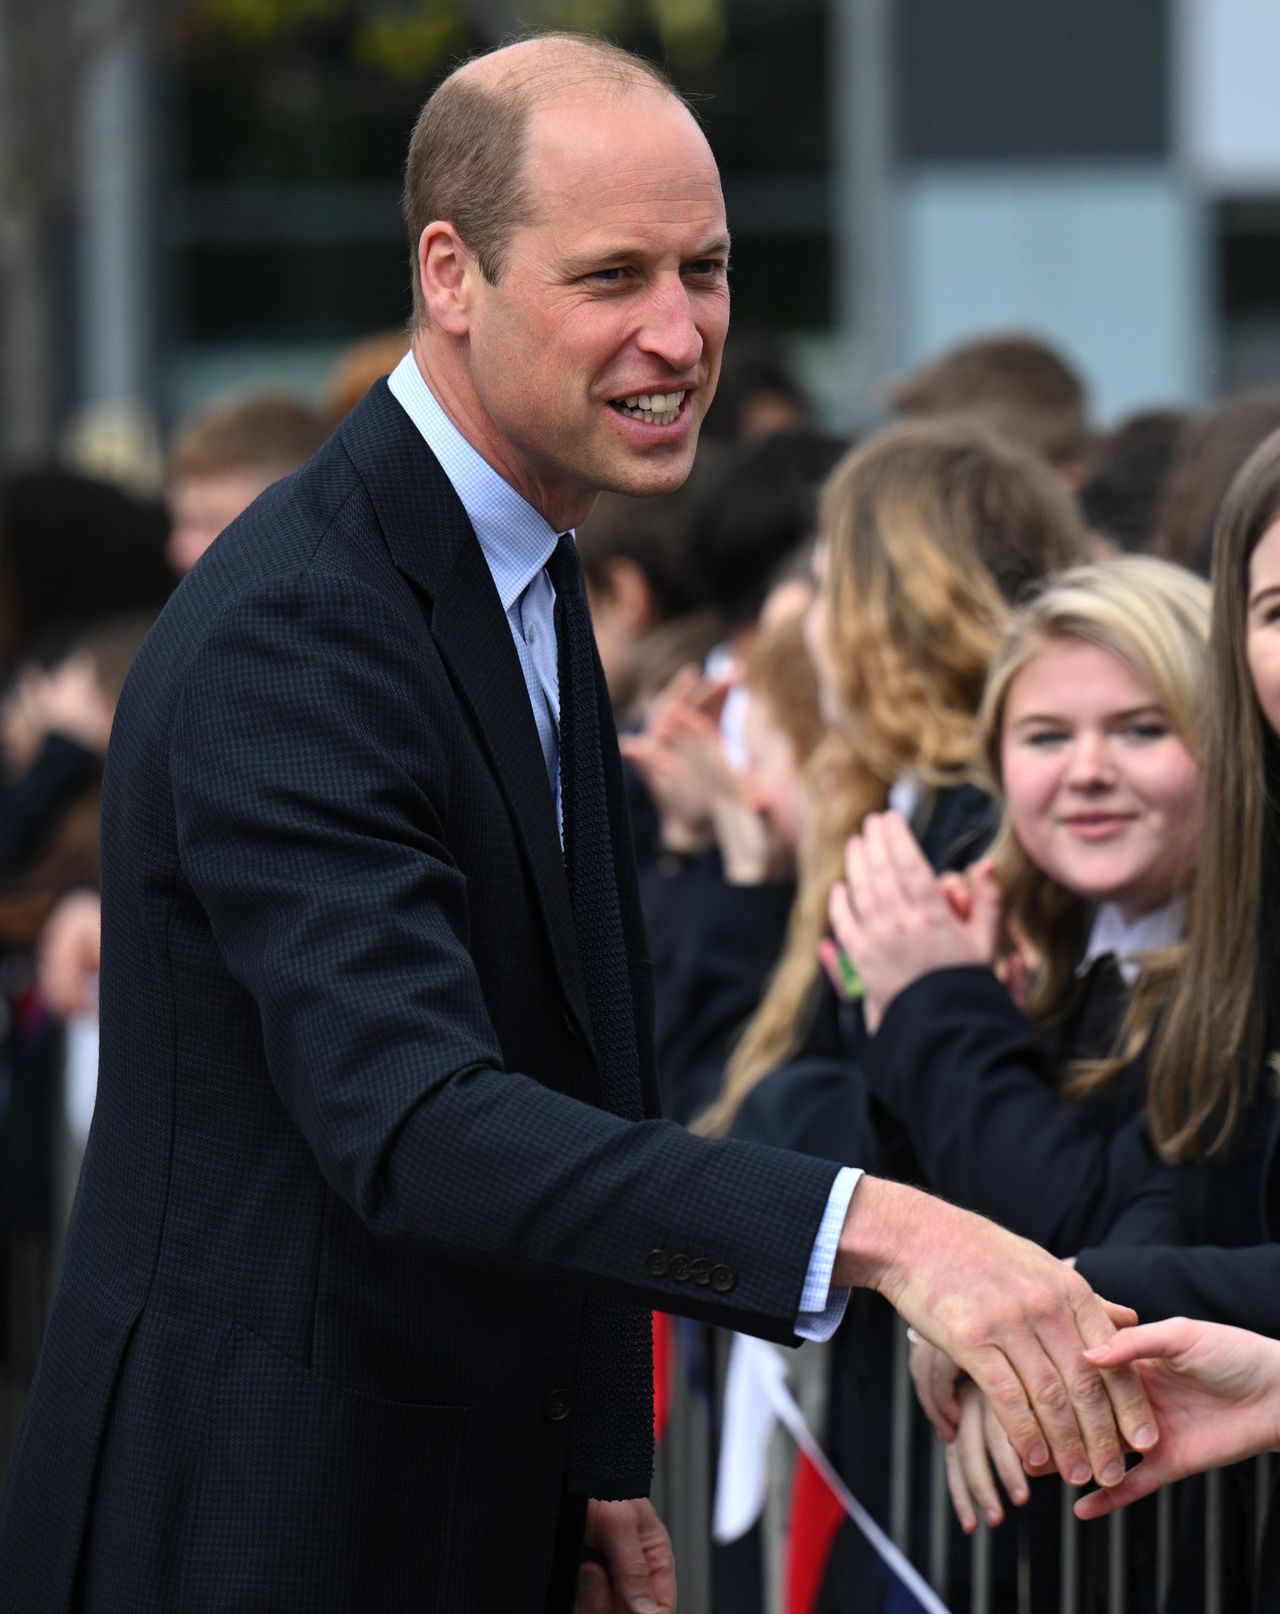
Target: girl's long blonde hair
[[931, 529], [1154, 616], [1209, 1048]]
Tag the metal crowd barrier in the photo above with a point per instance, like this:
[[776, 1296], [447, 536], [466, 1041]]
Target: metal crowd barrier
[[684, 1491]]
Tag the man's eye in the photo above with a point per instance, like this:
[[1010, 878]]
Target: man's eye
[[606, 277], [707, 268]]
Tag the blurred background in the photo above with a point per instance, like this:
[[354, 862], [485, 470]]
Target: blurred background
[[202, 195]]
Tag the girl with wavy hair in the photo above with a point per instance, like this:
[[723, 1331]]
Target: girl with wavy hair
[[928, 533]]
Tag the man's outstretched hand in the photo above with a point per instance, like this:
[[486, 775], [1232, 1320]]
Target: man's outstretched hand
[[1216, 1394], [1013, 1317]]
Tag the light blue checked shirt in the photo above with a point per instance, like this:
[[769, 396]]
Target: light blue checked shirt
[[517, 543]]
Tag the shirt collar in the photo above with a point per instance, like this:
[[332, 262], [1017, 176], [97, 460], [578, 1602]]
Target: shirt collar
[[516, 541], [1126, 939]]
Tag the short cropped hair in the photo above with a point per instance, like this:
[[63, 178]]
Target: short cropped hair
[[1017, 384], [268, 433], [466, 158]]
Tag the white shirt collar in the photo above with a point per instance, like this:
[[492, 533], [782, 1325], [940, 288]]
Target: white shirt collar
[[1127, 939], [517, 541]]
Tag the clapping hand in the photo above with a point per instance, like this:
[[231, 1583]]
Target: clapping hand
[[897, 920]]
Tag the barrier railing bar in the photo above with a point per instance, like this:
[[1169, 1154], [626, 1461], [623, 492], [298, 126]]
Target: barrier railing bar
[[939, 1519], [1117, 1563], [903, 1407], [1069, 1573], [1164, 1546], [982, 1570], [1213, 1544]]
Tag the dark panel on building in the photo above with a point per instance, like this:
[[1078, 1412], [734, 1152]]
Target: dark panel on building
[[1011, 80]]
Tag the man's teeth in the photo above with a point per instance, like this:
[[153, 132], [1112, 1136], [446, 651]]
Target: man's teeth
[[654, 408]]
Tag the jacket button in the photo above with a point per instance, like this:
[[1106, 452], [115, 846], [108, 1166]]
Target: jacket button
[[700, 1270], [723, 1279], [657, 1263], [555, 1409], [680, 1266]]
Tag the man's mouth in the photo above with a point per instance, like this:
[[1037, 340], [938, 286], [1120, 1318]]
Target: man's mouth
[[654, 408]]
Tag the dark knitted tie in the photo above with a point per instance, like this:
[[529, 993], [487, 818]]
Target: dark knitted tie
[[588, 846], [611, 1453]]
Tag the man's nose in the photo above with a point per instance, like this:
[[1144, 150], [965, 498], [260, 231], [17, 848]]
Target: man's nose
[[670, 330]]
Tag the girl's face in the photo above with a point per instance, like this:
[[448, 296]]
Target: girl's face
[[772, 781], [1262, 628], [1101, 791]]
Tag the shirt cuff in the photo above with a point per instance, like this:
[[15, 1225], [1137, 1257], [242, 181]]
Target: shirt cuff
[[822, 1307]]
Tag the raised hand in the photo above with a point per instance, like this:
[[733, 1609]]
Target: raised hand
[[897, 920], [1215, 1392]]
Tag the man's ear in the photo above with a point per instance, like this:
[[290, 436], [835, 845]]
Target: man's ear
[[445, 273]]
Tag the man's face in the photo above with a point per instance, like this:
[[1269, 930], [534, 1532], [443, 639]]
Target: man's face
[[616, 291]]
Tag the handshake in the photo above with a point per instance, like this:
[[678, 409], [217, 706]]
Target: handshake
[[1020, 1366]]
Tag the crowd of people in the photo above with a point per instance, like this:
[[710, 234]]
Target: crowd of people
[[951, 763], [958, 861]]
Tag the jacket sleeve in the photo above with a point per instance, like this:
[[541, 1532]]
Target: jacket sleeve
[[1236, 1286], [963, 1070], [311, 787]]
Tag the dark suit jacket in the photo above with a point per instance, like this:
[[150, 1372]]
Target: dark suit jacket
[[333, 1331]]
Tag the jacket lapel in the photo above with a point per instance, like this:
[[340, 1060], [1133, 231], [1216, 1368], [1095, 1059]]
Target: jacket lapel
[[432, 544]]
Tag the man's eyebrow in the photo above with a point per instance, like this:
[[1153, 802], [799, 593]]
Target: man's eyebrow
[[622, 253]]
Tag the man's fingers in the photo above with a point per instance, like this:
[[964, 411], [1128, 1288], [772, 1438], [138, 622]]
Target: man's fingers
[[1130, 1405], [1092, 1407], [594, 1594], [1121, 1316], [634, 1543], [1011, 1402]]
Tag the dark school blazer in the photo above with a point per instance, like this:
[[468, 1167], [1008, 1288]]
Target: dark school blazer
[[333, 1331]]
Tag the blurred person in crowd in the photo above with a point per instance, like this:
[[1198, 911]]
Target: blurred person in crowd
[[1125, 473], [716, 900], [928, 532], [752, 521], [1091, 729], [376, 1194], [1201, 1242], [1211, 447], [636, 568], [356, 369], [1015, 383], [73, 552], [53, 731], [1027, 1099], [758, 393], [221, 460]]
